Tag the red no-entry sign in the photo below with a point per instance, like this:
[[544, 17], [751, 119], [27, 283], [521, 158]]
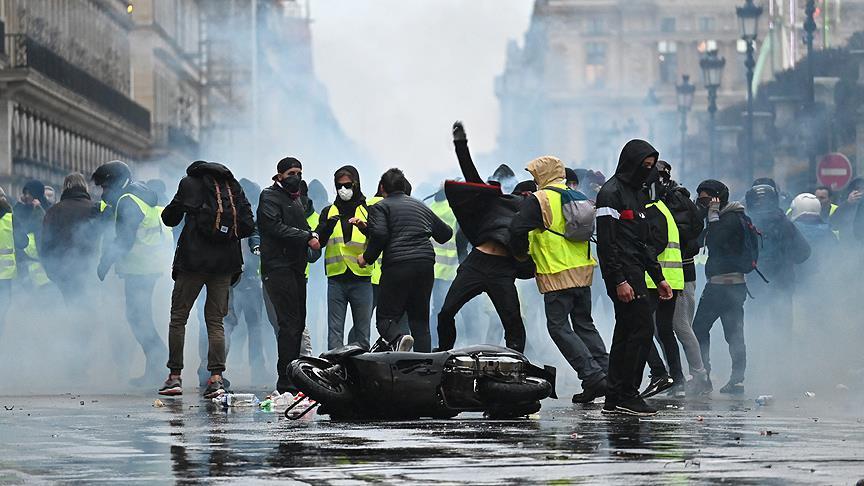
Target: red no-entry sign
[[834, 171]]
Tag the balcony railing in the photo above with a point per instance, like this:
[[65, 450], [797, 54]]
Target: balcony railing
[[24, 52]]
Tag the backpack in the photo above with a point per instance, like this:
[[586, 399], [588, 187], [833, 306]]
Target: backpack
[[218, 217], [579, 215], [751, 243]]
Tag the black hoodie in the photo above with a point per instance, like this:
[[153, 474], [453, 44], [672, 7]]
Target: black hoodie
[[347, 209], [622, 230], [197, 252]]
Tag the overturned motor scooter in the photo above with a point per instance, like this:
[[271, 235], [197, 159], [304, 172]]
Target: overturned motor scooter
[[388, 382]]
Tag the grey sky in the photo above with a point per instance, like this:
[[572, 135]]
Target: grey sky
[[399, 72]]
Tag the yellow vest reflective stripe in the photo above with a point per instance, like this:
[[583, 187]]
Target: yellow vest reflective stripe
[[148, 241], [446, 256], [8, 270], [34, 268], [102, 206], [553, 253], [340, 255], [670, 259], [376, 267], [312, 220]]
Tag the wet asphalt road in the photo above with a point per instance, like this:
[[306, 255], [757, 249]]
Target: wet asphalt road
[[88, 439]]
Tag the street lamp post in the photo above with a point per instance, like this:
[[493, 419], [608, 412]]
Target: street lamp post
[[712, 74], [809, 28], [748, 18], [684, 92]]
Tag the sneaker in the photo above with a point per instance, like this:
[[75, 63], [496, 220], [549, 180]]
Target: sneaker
[[609, 407], [636, 407], [657, 385], [589, 393], [215, 387], [733, 388], [173, 386], [700, 385], [678, 390]]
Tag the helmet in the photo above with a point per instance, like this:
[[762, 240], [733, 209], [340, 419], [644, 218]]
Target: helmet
[[762, 196], [112, 174], [804, 204], [716, 189]]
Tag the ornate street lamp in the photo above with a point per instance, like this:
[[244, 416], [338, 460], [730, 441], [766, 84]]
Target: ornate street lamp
[[684, 94], [712, 74], [748, 17]]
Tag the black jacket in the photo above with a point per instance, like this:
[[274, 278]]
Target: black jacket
[[400, 227], [197, 252], [70, 236], [623, 233], [724, 240], [126, 218], [783, 246], [284, 231]]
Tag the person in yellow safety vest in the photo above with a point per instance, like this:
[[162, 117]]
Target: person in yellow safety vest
[[29, 214], [565, 270], [446, 257], [8, 269], [133, 253], [341, 231]]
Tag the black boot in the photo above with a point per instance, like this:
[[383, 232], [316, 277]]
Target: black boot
[[589, 393]]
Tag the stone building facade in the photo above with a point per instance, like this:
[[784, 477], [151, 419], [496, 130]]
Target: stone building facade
[[592, 73]]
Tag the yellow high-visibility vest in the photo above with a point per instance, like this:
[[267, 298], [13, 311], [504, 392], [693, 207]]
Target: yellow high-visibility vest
[[8, 269], [670, 259], [552, 253], [148, 241], [376, 267], [312, 221], [446, 256], [341, 255], [35, 270]]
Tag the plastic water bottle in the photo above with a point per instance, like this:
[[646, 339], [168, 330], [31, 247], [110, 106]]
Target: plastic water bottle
[[763, 400], [242, 400]]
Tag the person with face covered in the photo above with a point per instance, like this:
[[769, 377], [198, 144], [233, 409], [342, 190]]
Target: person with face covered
[[726, 290], [626, 254], [137, 237], [341, 232], [29, 213], [286, 239]]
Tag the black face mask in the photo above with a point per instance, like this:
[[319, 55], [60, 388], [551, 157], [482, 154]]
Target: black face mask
[[643, 174], [292, 184]]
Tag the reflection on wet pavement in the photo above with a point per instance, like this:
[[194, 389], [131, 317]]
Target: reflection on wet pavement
[[124, 438]]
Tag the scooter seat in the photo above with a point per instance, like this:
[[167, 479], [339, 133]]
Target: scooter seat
[[343, 352]]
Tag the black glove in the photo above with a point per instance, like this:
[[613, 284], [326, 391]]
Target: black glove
[[459, 132]]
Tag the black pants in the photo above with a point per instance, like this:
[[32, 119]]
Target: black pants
[[631, 342], [494, 275], [287, 291], [664, 333], [406, 287], [727, 303]]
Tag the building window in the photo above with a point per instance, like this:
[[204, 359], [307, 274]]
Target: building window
[[707, 45], [667, 24], [596, 25], [706, 24], [595, 64], [667, 55]]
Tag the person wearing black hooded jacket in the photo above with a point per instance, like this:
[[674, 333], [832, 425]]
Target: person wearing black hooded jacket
[[286, 239], [341, 230], [626, 254], [204, 260]]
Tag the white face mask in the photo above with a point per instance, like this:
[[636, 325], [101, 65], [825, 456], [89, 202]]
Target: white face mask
[[345, 194]]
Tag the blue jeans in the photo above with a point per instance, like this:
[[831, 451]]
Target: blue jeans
[[341, 293]]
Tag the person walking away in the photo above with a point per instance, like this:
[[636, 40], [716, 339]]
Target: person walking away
[[341, 232], [217, 218], [9, 241], [625, 257], [286, 239], [29, 212], [136, 238], [400, 226], [484, 215], [70, 241], [565, 270], [733, 250]]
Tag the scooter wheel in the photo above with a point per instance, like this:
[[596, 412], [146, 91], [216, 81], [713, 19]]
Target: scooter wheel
[[529, 390], [308, 376], [516, 410]]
